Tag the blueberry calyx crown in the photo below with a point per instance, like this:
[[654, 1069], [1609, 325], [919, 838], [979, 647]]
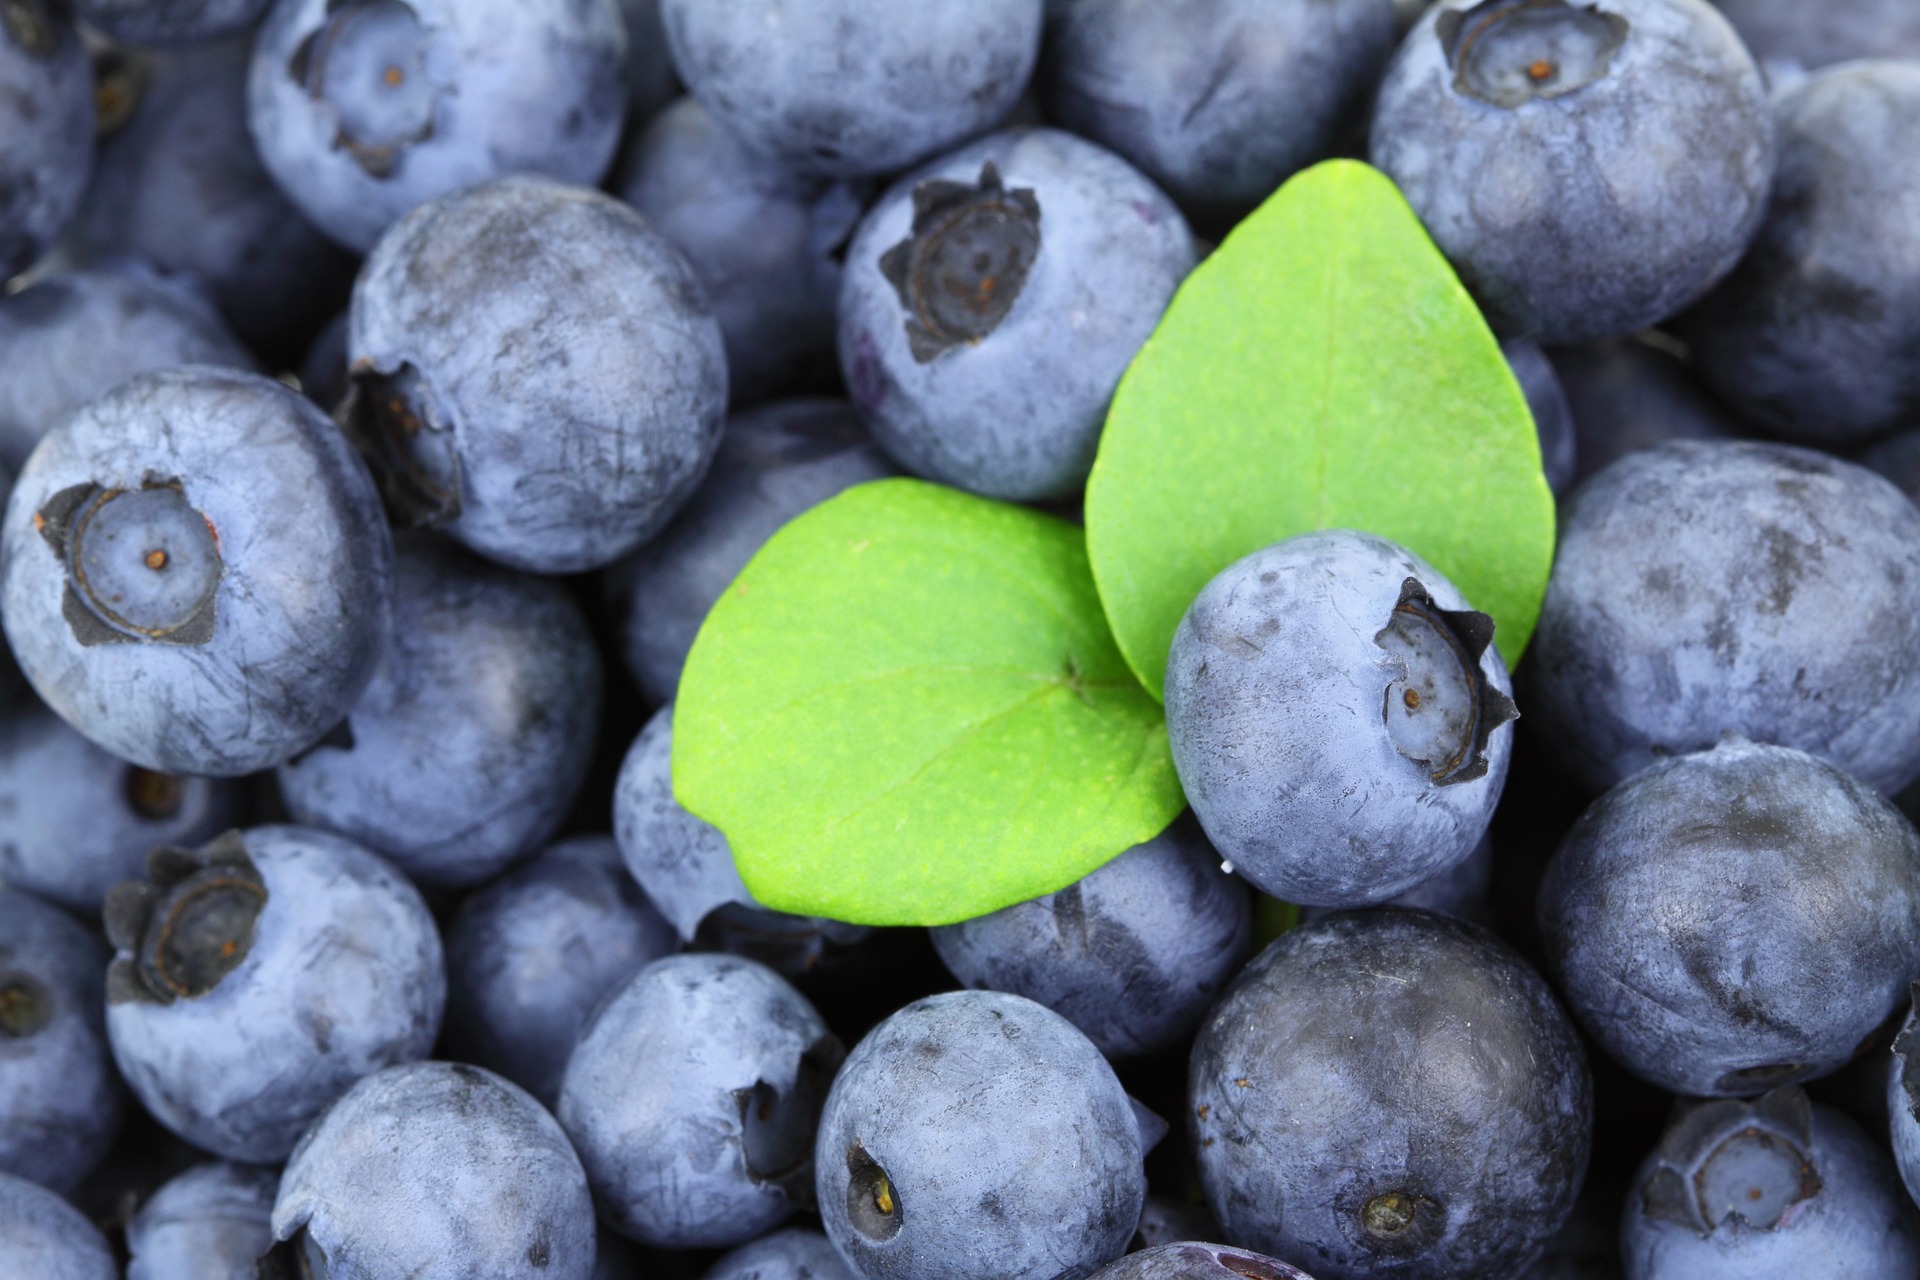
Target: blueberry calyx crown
[[1397, 1222], [1908, 1062], [186, 926], [1731, 1159], [141, 564], [29, 25], [152, 795], [1509, 52], [1206, 1259], [1442, 708], [965, 262], [25, 1006], [776, 1129], [873, 1204], [120, 79], [366, 63], [395, 422]]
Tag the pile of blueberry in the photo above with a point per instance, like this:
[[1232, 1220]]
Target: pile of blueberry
[[390, 388]]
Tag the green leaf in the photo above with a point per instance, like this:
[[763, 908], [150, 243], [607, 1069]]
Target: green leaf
[[908, 710], [1323, 369]]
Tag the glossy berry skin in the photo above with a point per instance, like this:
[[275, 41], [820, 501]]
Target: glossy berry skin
[[764, 241], [169, 23], [1589, 170], [1787, 35], [1774, 1189], [210, 1223], [43, 1236], [467, 748], [1191, 1260], [484, 88], [180, 185], [1817, 335], [60, 1101], [1385, 789], [845, 88], [1391, 1092], [530, 956], [1703, 588], [1625, 394], [538, 374], [796, 1253], [1132, 954], [222, 625], [775, 461], [1736, 919], [978, 1134], [78, 334], [1218, 101], [260, 977], [993, 299], [1552, 416], [75, 821], [46, 129], [692, 1097], [437, 1171]]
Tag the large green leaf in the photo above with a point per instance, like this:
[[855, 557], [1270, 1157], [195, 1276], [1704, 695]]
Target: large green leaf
[[908, 710], [1323, 369]]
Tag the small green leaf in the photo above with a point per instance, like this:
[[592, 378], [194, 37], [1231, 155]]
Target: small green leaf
[[908, 710], [1323, 369]]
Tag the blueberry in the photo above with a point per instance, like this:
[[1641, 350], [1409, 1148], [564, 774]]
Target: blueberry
[[993, 299], [1132, 954], [75, 821], [1391, 1092], [1460, 890], [169, 23], [1190, 1260], [537, 372], [687, 870], [196, 572], [1589, 168], [1218, 101], [1788, 35], [363, 109], [76, 335], [1552, 416], [1350, 669], [259, 977], [436, 1171], [1702, 588], [1626, 394], [764, 240], [978, 1134], [1774, 1189], [46, 128], [59, 1098], [848, 87], [44, 1237], [793, 1254], [1736, 919], [466, 751], [1903, 1101], [775, 461], [692, 1096], [180, 185], [210, 1223], [1817, 334], [1898, 459], [531, 955]]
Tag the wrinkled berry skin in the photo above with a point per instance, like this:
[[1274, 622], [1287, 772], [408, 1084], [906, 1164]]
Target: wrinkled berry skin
[[1703, 588], [1218, 101], [1391, 1092], [764, 241], [539, 374], [977, 1134], [1736, 919], [467, 749], [46, 129], [211, 1223], [59, 1097], [1903, 1103], [1817, 334], [79, 334], [844, 88], [1261, 684], [43, 1236], [296, 557], [1013, 407], [1191, 1260], [1587, 212], [75, 821], [530, 956], [169, 23], [1132, 954], [1777, 1189], [1804, 36], [775, 461], [793, 1254], [1625, 395], [344, 975], [488, 88], [438, 1171]]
